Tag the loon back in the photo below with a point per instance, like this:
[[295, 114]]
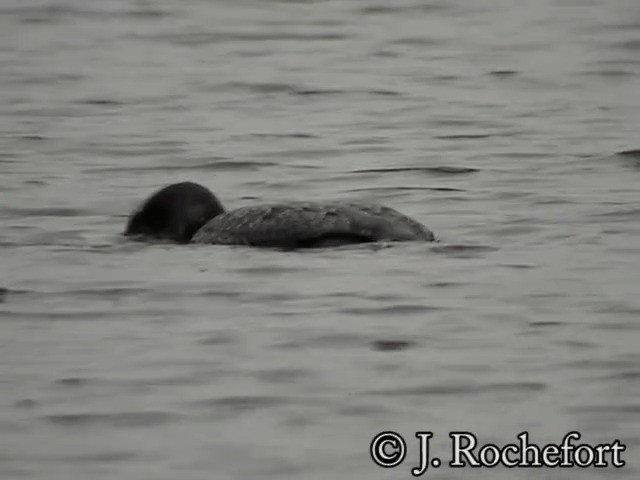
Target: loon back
[[307, 224]]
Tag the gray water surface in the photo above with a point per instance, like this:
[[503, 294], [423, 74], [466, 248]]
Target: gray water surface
[[497, 123]]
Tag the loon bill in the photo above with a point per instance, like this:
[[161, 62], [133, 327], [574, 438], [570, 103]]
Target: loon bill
[[188, 212]]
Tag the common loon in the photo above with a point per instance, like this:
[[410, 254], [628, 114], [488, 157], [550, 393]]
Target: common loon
[[187, 212]]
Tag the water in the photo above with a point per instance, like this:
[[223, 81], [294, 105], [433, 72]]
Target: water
[[497, 123]]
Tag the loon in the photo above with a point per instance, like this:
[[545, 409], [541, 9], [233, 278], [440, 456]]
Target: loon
[[188, 212]]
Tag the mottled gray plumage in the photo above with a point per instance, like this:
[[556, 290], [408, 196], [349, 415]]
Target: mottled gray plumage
[[307, 224]]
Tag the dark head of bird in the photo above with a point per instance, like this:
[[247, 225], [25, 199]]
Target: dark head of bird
[[175, 212]]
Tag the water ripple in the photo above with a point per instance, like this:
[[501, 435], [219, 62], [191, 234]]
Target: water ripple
[[120, 419], [199, 39], [462, 389]]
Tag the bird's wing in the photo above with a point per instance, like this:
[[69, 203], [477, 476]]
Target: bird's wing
[[397, 226], [289, 225]]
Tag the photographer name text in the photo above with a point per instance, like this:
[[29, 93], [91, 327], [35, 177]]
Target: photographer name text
[[389, 449]]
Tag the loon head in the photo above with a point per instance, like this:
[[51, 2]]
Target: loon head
[[175, 212]]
